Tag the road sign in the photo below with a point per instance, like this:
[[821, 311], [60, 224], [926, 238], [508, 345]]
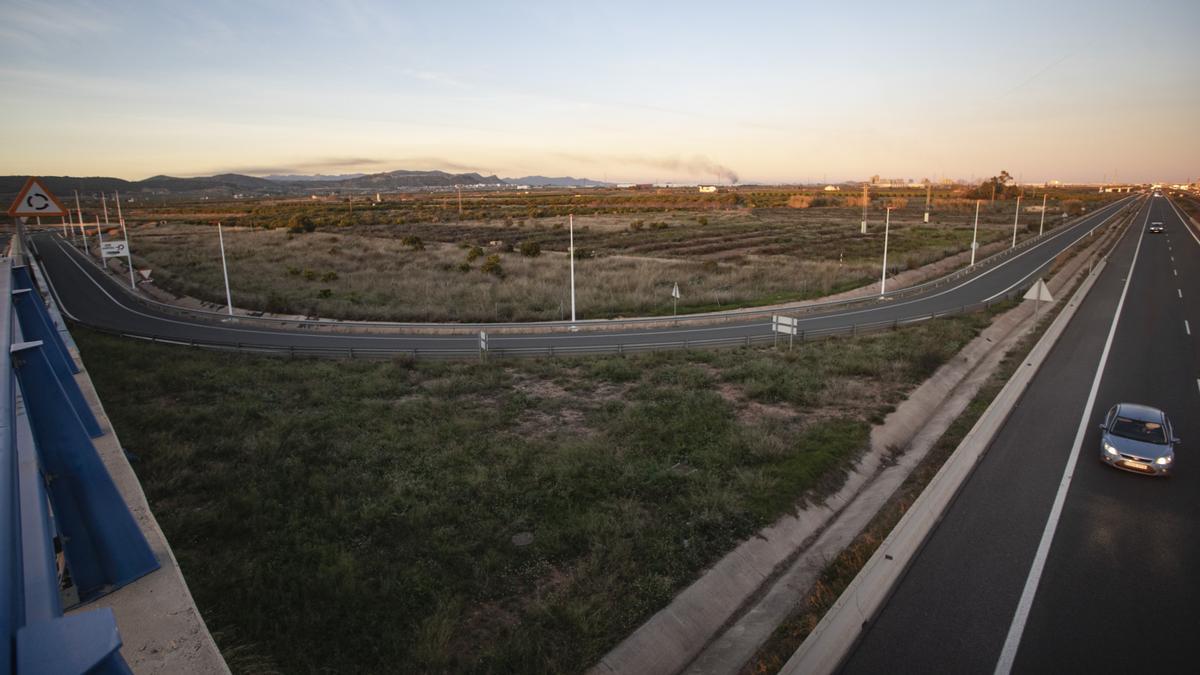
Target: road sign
[[114, 248], [1039, 292], [35, 200], [784, 324], [675, 291]]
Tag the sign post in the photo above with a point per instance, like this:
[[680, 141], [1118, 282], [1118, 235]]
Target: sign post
[[125, 233], [675, 300], [483, 346]]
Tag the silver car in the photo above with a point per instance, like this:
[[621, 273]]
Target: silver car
[[1138, 438], [1156, 228]]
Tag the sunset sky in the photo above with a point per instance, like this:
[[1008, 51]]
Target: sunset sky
[[696, 91]]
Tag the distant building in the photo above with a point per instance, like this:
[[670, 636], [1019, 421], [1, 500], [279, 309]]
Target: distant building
[[1116, 188], [832, 188], [708, 188]]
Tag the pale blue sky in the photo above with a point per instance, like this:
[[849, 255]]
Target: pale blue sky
[[773, 92]]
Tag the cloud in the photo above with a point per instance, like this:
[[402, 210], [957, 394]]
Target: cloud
[[696, 165], [310, 166]]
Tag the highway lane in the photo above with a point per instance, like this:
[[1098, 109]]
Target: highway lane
[[955, 606], [95, 299], [1120, 590]]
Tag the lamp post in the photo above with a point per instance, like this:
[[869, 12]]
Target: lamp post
[[887, 223], [975, 234], [571, 230], [1042, 225], [225, 270], [1016, 218]]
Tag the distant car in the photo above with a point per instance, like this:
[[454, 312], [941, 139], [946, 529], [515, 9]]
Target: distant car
[[1138, 438], [1156, 228]]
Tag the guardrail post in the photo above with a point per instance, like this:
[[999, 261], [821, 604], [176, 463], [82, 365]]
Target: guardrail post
[[104, 547]]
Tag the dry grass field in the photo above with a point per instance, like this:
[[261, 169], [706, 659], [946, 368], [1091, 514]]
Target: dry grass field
[[475, 270]]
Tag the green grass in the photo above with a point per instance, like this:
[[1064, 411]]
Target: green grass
[[359, 516]]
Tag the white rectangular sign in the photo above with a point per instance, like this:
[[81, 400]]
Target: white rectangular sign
[[784, 324], [114, 249]]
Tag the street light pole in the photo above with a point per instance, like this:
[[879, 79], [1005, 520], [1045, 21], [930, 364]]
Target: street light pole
[[571, 229], [887, 223], [1016, 219], [1042, 226], [975, 234], [225, 270]]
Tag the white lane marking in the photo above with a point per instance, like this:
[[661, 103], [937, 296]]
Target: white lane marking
[[1198, 384], [1187, 327], [1183, 219], [1180, 292], [1009, 653], [1176, 272]]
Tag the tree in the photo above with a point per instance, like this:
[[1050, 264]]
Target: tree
[[531, 249]]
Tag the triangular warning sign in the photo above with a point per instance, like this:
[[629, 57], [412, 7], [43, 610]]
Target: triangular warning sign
[[1039, 292], [35, 200]]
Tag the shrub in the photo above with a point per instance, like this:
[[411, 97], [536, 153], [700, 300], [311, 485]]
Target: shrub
[[799, 201], [300, 223], [464, 267], [492, 266], [310, 275], [637, 225], [413, 242], [531, 249], [703, 220], [329, 276], [473, 253], [325, 293]]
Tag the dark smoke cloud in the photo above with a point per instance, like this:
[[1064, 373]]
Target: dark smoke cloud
[[697, 165]]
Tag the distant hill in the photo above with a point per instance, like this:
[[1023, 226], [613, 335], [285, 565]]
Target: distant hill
[[228, 184], [557, 181]]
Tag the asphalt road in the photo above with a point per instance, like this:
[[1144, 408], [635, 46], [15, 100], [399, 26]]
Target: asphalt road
[[94, 299], [1120, 586]]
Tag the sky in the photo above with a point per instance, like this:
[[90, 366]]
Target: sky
[[625, 91]]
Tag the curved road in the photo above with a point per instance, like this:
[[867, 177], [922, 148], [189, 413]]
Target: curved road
[[94, 299]]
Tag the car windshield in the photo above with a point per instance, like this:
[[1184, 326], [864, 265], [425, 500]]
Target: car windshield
[[1148, 432]]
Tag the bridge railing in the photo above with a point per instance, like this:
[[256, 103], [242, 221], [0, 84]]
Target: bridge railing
[[55, 496]]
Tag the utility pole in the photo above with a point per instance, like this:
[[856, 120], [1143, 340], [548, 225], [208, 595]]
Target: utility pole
[[887, 222], [64, 226], [104, 203], [928, 196], [1016, 219], [100, 240], [864, 220], [460, 210], [128, 248], [571, 234], [975, 234], [1042, 226], [225, 269], [993, 201]]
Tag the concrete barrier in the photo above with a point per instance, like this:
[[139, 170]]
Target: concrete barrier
[[830, 642]]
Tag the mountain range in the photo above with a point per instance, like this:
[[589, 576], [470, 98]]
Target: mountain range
[[228, 184]]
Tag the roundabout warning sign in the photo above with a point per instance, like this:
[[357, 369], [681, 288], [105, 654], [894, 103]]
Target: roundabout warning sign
[[35, 200]]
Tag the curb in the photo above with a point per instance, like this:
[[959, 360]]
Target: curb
[[832, 639]]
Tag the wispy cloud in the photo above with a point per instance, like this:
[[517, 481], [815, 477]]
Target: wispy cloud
[[350, 164], [696, 165]]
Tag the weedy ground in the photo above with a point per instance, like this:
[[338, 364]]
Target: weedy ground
[[627, 264], [510, 516]]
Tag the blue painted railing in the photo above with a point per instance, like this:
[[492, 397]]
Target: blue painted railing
[[55, 494]]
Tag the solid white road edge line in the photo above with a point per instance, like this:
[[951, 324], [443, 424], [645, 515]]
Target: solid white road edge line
[[1187, 327], [1013, 641]]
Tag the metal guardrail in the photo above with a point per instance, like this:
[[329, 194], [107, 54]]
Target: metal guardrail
[[340, 326], [66, 536], [550, 350]]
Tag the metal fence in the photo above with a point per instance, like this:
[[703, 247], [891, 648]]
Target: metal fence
[[66, 535]]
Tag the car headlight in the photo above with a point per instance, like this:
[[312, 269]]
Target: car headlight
[[1164, 460], [1110, 449]]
